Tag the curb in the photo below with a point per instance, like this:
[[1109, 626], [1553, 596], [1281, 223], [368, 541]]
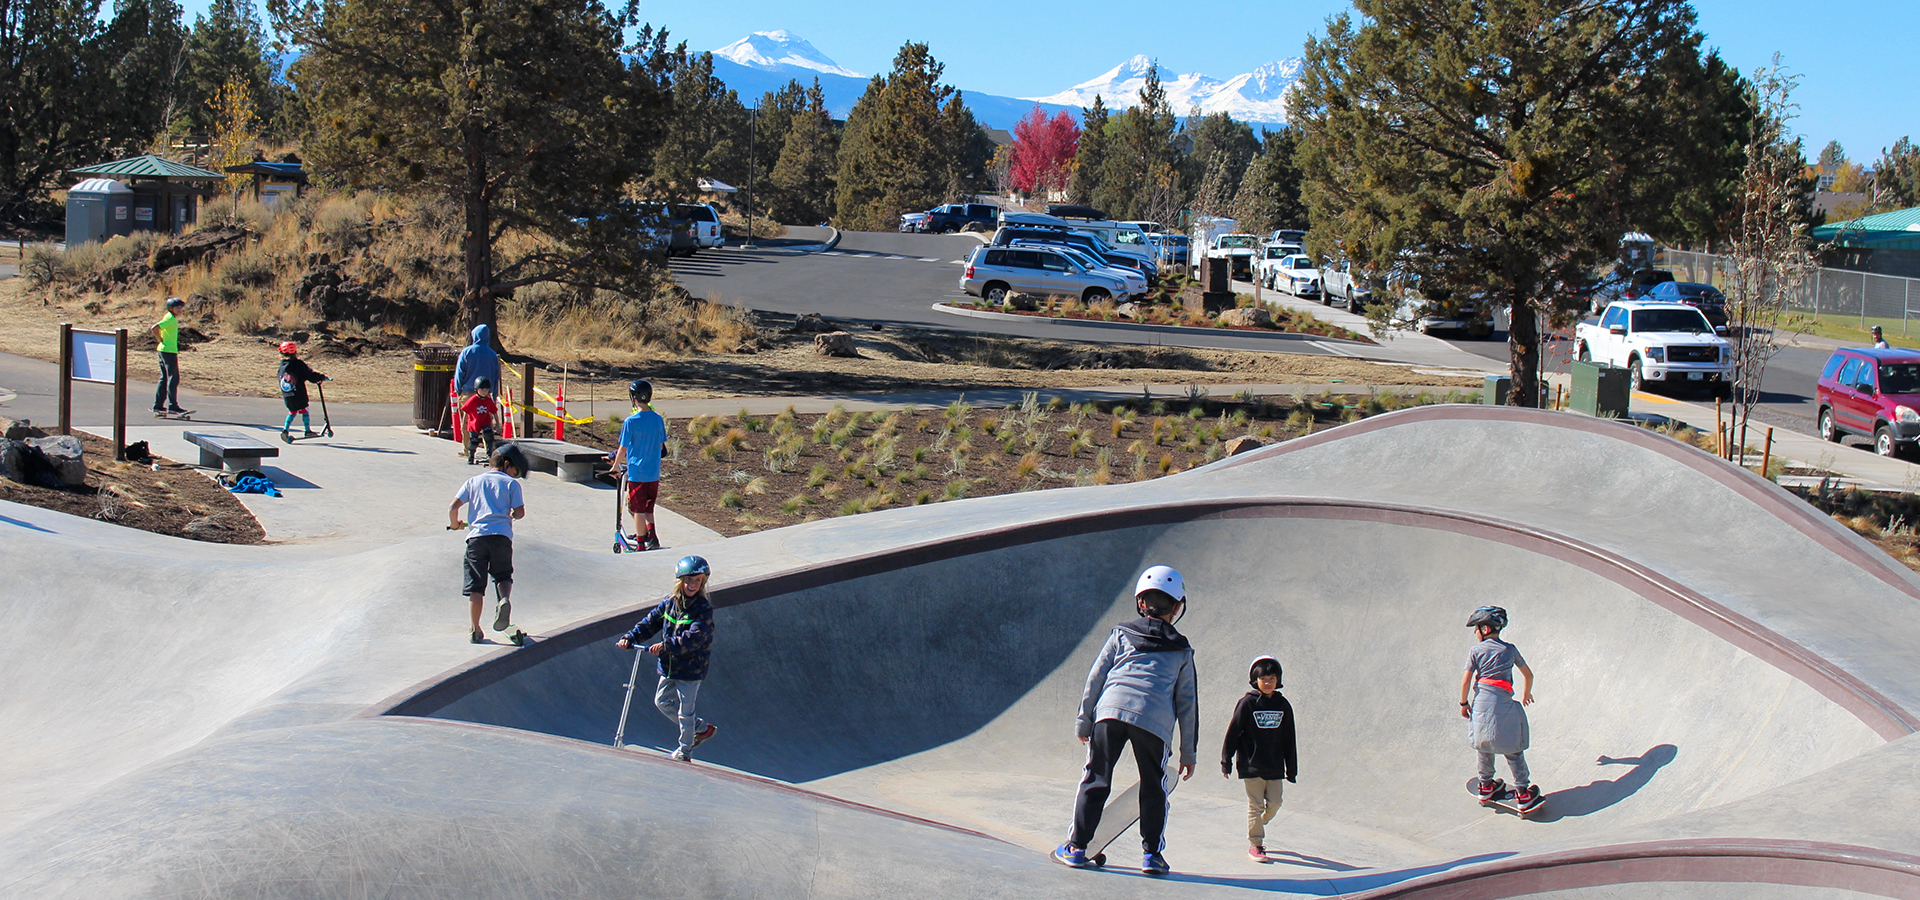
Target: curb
[[832, 242], [1164, 329]]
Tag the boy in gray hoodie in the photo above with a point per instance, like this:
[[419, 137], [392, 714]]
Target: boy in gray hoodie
[[1141, 685]]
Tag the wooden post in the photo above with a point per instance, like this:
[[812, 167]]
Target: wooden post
[[1766, 456], [1743, 442], [66, 377], [526, 399], [120, 394]]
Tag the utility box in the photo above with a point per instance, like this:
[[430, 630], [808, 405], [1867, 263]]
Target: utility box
[[1497, 389], [1214, 277], [1599, 390], [97, 209]]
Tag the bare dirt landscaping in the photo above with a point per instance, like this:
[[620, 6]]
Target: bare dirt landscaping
[[154, 494]]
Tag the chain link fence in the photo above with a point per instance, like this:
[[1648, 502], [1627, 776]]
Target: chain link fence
[[1860, 299]]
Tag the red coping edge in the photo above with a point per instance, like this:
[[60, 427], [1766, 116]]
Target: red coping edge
[[1807, 864]]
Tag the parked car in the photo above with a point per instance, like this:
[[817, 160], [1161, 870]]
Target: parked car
[[1136, 283], [1342, 282], [1704, 297], [992, 272], [1170, 249], [1132, 259], [1292, 236], [1871, 392], [950, 218], [704, 223]]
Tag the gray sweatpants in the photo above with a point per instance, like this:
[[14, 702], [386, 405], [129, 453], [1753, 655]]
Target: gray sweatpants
[[674, 699], [1517, 762]]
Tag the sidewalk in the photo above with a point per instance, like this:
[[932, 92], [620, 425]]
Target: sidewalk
[[1860, 467], [1430, 354]]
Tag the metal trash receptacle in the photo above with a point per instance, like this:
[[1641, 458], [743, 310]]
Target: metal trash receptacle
[[1599, 390], [1497, 388], [432, 376]]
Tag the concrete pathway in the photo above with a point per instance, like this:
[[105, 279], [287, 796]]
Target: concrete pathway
[[1400, 346]]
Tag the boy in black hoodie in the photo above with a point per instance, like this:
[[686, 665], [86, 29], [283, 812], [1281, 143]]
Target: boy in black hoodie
[[1260, 741]]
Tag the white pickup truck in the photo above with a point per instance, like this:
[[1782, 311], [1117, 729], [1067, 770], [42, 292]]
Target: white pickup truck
[[1664, 343]]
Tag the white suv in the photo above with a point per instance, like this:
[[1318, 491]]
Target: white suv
[[705, 223]]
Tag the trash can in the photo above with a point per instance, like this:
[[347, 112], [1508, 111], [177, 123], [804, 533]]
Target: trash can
[[1495, 394], [432, 376], [1599, 390]]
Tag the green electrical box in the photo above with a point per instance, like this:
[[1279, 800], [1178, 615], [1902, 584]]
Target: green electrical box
[[1599, 390], [1498, 386]]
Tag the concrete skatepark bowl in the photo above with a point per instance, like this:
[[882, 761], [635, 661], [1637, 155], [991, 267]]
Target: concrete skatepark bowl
[[1726, 684]]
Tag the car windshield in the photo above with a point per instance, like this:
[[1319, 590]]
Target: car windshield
[[1682, 320], [1299, 262], [1174, 240], [1900, 378], [1236, 242], [1276, 252]]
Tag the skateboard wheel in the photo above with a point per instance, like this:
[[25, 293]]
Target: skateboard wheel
[[1099, 860]]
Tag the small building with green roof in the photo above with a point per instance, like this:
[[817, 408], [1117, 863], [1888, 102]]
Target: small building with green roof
[[161, 195], [1885, 243]]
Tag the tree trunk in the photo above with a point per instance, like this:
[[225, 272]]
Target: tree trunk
[[476, 299], [1523, 354]]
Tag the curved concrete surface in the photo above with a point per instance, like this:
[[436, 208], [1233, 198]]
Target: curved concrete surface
[[1726, 681]]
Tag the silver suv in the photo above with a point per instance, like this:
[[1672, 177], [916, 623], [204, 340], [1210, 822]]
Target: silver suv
[[993, 271]]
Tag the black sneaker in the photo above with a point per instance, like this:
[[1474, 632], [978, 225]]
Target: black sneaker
[[477, 637]]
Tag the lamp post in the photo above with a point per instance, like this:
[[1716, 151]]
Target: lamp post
[[753, 117]]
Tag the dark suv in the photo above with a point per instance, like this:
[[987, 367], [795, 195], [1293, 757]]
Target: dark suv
[[1871, 392], [950, 218], [1704, 297]]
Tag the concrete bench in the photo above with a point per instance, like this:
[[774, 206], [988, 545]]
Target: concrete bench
[[231, 452], [570, 462]]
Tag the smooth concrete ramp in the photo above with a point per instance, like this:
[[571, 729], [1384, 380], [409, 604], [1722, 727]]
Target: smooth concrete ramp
[[1726, 688]]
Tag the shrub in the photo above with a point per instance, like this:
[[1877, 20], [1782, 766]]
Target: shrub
[[733, 500]]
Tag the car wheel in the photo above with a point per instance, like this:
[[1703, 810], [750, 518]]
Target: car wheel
[[1635, 381], [1584, 355], [994, 293], [1480, 332], [1883, 443], [950, 229], [1828, 430], [1094, 295]]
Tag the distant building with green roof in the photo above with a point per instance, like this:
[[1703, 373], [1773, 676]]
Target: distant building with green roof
[[161, 195], [1886, 243]]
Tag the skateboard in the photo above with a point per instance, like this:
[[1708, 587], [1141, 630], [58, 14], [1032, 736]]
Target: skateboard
[[1119, 817], [502, 620], [1502, 799], [183, 415]]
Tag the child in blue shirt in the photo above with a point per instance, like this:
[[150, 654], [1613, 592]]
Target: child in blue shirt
[[643, 441]]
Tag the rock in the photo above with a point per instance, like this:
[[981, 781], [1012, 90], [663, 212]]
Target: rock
[[1128, 310], [202, 244], [978, 227], [1247, 317], [1243, 444], [13, 464], [19, 429], [1020, 301], [812, 323], [835, 343], [64, 453]]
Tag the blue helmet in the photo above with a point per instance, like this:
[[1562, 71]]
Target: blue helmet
[[691, 565], [1491, 616]]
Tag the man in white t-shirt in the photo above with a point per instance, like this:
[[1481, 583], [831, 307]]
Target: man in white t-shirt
[[493, 500]]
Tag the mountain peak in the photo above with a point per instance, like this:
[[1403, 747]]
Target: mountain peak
[[1257, 96], [780, 49]]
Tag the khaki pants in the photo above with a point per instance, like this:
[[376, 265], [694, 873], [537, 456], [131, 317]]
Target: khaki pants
[[1263, 803]]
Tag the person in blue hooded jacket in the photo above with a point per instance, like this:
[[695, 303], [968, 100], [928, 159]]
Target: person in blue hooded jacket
[[477, 361]]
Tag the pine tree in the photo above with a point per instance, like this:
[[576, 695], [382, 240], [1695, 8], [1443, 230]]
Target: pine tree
[[706, 135], [1090, 156], [1219, 137], [1140, 172], [1896, 180], [905, 145], [227, 44], [1269, 196], [803, 176]]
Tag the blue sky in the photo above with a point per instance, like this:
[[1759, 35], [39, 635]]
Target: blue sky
[[1849, 56]]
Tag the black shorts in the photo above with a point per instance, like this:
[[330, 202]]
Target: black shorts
[[487, 554]]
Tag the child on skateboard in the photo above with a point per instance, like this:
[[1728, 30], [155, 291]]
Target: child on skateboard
[[166, 395], [476, 418], [295, 375], [643, 441], [493, 499], [1260, 742], [684, 622], [1142, 684], [1498, 724]]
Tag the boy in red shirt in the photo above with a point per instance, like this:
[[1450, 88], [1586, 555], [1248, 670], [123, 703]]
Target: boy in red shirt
[[476, 418]]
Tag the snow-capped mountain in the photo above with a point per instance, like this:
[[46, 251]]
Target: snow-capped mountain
[[778, 50], [1257, 96]]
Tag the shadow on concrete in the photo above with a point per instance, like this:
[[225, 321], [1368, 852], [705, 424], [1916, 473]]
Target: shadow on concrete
[[13, 521], [283, 479], [1301, 859], [1598, 795], [388, 450], [1328, 887]]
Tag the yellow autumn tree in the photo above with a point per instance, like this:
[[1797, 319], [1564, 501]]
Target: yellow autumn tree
[[236, 129]]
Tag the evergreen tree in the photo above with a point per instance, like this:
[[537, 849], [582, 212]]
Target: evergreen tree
[[1896, 180], [1269, 196], [51, 80], [706, 135], [968, 152], [1140, 173], [1502, 147], [1090, 156], [898, 153], [1831, 156], [513, 109], [803, 176], [1219, 139], [772, 119], [227, 43], [147, 49]]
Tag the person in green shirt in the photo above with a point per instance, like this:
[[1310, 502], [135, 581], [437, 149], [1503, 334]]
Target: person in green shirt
[[167, 332]]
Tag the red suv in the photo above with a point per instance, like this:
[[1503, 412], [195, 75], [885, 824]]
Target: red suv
[[1871, 392]]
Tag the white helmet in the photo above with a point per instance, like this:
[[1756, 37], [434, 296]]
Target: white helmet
[[1162, 578]]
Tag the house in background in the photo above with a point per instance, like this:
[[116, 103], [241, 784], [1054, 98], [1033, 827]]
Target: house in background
[[274, 182], [144, 193]]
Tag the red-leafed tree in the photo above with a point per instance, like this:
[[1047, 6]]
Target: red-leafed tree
[[1043, 151]]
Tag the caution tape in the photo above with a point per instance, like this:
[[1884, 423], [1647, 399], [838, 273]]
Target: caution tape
[[516, 407]]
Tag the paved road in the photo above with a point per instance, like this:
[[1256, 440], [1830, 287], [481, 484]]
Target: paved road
[[894, 279]]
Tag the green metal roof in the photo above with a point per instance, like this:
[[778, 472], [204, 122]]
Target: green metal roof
[[1901, 225], [148, 167]]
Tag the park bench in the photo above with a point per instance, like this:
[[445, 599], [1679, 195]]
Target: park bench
[[570, 462], [232, 452]]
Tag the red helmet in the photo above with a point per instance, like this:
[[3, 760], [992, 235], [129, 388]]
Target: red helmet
[[289, 347]]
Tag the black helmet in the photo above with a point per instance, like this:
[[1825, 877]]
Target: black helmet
[[175, 302], [1263, 665], [510, 452], [479, 383], [691, 565], [641, 390], [1492, 616]]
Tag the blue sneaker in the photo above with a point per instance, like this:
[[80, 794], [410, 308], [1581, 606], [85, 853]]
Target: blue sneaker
[[1069, 855], [1153, 864]]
